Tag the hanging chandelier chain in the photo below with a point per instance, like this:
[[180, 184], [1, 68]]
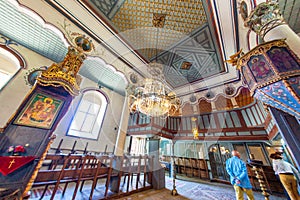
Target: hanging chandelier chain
[[154, 98]]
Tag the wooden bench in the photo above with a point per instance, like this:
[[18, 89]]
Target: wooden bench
[[49, 172], [71, 168], [93, 170]]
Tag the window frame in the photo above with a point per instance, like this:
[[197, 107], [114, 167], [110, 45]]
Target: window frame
[[14, 55], [103, 96]]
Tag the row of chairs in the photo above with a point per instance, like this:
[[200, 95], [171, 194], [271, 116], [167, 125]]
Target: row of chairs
[[64, 169], [192, 167]]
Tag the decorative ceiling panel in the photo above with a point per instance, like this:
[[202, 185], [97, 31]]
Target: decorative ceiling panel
[[134, 22], [108, 7], [30, 33], [199, 51]]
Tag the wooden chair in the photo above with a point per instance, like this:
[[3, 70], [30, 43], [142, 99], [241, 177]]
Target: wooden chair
[[135, 170], [195, 167], [115, 173], [204, 172], [125, 170], [176, 164], [147, 165]]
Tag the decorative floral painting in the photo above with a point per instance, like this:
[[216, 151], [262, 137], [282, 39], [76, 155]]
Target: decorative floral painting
[[244, 10], [40, 111], [295, 83]]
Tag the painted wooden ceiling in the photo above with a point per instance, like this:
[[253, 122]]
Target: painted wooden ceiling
[[186, 43], [185, 38]]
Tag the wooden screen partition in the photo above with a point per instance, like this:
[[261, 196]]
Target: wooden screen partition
[[192, 167], [239, 124]]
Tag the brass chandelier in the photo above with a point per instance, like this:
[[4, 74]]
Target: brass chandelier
[[154, 98]]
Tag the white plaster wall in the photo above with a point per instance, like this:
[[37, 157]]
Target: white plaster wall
[[108, 134], [12, 95]]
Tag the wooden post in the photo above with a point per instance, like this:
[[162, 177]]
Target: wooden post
[[73, 148], [57, 151]]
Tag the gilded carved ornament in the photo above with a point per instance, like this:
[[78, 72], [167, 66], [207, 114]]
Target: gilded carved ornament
[[64, 74], [264, 17]]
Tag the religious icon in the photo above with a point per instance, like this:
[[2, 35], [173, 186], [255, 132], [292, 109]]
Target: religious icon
[[295, 84], [40, 111], [186, 65], [282, 60], [260, 68]]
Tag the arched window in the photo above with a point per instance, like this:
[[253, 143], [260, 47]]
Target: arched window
[[89, 115], [10, 63]]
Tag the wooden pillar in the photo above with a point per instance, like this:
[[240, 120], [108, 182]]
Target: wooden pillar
[[289, 129], [213, 106]]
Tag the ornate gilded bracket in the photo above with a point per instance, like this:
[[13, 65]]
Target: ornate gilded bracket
[[64, 74]]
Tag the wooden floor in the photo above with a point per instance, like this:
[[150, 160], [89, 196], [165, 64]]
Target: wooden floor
[[188, 188]]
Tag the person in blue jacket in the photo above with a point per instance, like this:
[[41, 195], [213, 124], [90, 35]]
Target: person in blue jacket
[[237, 171]]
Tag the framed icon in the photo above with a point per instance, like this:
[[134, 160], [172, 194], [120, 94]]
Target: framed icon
[[40, 111]]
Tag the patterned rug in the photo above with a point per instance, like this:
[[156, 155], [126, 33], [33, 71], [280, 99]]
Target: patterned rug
[[188, 189], [203, 191], [194, 190]]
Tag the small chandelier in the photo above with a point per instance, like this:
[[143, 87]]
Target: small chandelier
[[154, 98]]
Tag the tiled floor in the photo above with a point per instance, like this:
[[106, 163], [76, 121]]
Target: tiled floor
[[193, 189]]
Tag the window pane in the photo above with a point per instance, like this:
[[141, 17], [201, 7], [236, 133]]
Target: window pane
[[78, 121], [89, 115], [84, 106], [258, 153], [4, 78], [94, 109], [88, 123]]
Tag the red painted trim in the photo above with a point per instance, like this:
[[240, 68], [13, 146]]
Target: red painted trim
[[273, 132], [16, 54]]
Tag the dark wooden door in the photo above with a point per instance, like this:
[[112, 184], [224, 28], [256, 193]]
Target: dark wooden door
[[218, 154]]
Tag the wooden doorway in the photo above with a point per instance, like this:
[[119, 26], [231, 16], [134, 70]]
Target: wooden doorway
[[218, 154]]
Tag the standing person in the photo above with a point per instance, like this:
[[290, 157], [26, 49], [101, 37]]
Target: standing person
[[238, 173], [277, 175], [286, 176]]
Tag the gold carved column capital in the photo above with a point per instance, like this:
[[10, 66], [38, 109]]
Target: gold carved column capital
[[264, 17]]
